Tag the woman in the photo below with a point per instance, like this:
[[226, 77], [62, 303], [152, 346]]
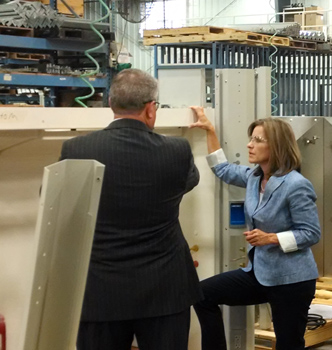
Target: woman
[[283, 224]]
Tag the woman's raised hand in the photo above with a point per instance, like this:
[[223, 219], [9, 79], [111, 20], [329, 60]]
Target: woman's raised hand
[[202, 121]]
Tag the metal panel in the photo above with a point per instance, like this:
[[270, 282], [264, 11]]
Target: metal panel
[[311, 144], [188, 91], [49, 44], [327, 161], [235, 109], [263, 95], [64, 235], [328, 87], [17, 79], [197, 217]]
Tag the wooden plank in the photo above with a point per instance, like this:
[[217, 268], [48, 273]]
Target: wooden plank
[[322, 301], [16, 31], [241, 36], [264, 334], [322, 285], [194, 38], [302, 44], [318, 335], [325, 279], [76, 5], [27, 56], [323, 294], [188, 31], [324, 46], [267, 39], [312, 337]]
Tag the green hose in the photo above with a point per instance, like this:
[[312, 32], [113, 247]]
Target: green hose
[[87, 54]]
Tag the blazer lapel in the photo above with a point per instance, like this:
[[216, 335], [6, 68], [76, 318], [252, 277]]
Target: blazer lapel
[[252, 196], [271, 186]]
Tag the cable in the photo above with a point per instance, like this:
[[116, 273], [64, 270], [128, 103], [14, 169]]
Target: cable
[[122, 40], [315, 321], [274, 81], [87, 53], [270, 3]]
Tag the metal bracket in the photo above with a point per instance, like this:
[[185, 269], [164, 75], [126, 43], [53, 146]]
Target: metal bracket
[[312, 141]]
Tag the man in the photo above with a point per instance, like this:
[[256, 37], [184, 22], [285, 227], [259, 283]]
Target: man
[[141, 277]]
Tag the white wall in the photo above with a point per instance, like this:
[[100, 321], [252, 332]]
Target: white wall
[[200, 12], [197, 12], [127, 34], [22, 161], [218, 13]]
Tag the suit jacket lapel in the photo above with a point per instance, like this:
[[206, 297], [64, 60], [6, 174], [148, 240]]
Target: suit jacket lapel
[[271, 186], [253, 193], [252, 196]]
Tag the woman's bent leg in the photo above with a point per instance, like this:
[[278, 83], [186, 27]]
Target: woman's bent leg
[[230, 288]]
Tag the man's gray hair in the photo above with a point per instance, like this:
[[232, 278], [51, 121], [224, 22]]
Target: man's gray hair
[[131, 89]]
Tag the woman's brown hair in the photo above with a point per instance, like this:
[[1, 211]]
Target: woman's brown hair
[[285, 154]]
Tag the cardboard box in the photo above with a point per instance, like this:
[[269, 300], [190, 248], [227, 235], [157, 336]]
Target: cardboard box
[[313, 19], [298, 19], [315, 8], [310, 19]]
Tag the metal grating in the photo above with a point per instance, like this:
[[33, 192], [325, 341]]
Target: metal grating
[[303, 77]]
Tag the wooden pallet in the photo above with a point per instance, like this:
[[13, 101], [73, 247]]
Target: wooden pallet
[[17, 31], [27, 56], [324, 46], [323, 295], [303, 44], [312, 337], [323, 291], [209, 34]]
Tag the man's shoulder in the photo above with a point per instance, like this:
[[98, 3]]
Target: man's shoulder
[[174, 140], [88, 136]]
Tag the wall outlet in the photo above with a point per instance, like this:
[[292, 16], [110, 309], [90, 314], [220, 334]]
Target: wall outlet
[[237, 342]]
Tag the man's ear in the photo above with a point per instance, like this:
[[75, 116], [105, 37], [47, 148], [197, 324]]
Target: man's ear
[[109, 101], [150, 115], [150, 110]]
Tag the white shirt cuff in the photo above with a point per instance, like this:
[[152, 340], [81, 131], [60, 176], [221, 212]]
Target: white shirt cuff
[[216, 157], [287, 241]]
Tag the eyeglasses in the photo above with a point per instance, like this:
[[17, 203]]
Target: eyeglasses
[[257, 139], [155, 102]]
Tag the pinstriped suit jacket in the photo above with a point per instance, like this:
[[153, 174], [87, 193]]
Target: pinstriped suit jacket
[[140, 264]]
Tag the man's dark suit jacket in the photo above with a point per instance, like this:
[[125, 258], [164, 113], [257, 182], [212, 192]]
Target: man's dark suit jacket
[[140, 265]]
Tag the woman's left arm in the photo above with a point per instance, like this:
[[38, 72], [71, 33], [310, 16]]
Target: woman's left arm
[[305, 228], [304, 214]]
